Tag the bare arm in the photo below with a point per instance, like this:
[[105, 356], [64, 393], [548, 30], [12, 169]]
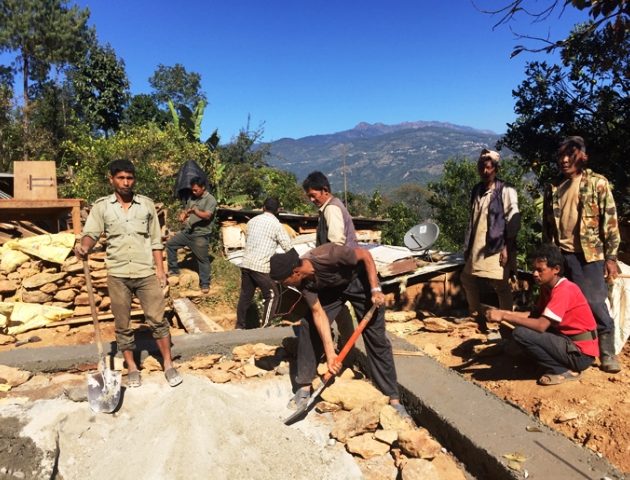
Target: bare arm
[[323, 328], [370, 268], [158, 258], [83, 247], [539, 324]]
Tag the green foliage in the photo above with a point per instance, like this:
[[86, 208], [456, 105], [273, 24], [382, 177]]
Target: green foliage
[[587, 95], [42, 33], [177, 85], [415, 197], [157, 154], [451, 202], [143, 109], [101, 88], [401, 219]]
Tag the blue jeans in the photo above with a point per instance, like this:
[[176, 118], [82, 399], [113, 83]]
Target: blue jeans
[[198, 245], [589, 276]]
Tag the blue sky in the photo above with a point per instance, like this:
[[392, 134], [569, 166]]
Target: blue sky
[[310, 67]]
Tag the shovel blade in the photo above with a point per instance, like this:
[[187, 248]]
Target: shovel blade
[[301, 412], [104, 391]]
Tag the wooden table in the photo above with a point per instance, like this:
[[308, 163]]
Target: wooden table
[[34, 210]]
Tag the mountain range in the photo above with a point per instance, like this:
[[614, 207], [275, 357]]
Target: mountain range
[[379, 156]]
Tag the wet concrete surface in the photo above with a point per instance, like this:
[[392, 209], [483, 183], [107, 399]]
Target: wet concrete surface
[[476, 426]]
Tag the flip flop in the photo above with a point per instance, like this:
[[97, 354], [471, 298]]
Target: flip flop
[[173, 377], [557, 378], [134, 379]]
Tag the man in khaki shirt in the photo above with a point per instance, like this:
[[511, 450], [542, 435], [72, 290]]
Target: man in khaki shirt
[[134, 264]]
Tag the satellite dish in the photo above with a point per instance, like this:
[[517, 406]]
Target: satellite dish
[[421, 236]]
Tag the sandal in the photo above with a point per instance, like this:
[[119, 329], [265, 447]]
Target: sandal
[[173, 377], [134, 379], [299, 399], [558, 378]]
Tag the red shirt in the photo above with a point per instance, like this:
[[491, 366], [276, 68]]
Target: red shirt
[[567, 308]]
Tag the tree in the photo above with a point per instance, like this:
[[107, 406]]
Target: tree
[[587, 95], [177, 85], [101, 88], [143, 109], [609, 16], [42, 33]]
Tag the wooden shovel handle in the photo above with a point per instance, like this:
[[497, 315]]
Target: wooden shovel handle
[[90, 292], [352, 340]]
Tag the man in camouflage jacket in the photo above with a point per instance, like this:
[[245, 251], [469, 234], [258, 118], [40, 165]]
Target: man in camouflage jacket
[[579, 216]]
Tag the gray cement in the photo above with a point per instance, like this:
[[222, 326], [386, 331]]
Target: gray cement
[[476, 426]]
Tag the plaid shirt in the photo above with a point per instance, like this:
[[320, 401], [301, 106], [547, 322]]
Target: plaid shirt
[[599, 230], [264, 234]]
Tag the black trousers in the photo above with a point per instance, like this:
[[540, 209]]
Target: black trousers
[[555, 353], [381, 366], [250, 280]]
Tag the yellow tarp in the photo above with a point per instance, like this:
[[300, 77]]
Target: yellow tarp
[[22, 317], [53, 247]]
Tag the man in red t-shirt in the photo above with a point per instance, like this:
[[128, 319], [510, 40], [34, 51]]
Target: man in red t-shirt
[[561, 333]]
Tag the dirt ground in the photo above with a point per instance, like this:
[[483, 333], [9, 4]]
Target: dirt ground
[[593, 411]]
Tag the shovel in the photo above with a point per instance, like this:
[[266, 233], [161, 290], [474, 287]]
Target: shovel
[[301, 412], [103, 386]]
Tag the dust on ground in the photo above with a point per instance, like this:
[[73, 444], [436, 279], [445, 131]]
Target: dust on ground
[[593, 411], [198, 430]]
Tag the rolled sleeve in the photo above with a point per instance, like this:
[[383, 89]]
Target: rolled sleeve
[[155, 233], [95, 224]]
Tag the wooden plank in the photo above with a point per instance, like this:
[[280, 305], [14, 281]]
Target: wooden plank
[[103, 317], [35, 180], [192, 319]]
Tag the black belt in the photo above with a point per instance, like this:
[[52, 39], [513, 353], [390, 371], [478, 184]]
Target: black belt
[[590, 335]]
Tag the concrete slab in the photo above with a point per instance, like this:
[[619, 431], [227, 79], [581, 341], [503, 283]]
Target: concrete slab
[[476, 426]]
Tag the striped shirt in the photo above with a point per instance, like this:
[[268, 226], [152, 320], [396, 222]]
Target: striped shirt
[[264, 234]]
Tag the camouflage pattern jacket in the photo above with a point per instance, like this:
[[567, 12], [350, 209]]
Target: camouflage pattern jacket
[[599, 230]]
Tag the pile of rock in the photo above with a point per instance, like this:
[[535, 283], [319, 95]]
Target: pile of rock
[[38, 281]]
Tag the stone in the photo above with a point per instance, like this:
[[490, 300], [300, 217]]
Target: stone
[[250, 371], [65, 295], [418, 444], [418, 469], [361, 420], [326, 407], [431, 349], [218, 376], [67, 305], [42, 279], [205, 361], [391, 420], [35, 296], [243, 352], [14, 276], [150, 364], [190, 293], [63, 329], [448, 468], [366, 447], [67, 378], [437, 324], [49, 288], [84, 299], [227, 365], [351, 394], [14, 376], [82, 311], [105, 304], [391, 316], [98, 274], [404, 328], [566, 417], [283, 368], [34, 383], [27, 272], [378, 468], [6, 339], [386, 436], [77, 281], [76, 394], [8, 286], [188, 279]]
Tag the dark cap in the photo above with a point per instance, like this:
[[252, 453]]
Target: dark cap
[[282, 264], [573, 142]]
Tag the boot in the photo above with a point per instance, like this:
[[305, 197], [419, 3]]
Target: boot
[[607, 357]]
